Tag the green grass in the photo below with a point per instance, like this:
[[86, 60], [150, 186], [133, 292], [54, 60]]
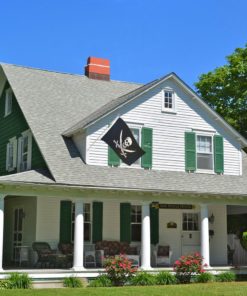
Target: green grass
[[220, 289]]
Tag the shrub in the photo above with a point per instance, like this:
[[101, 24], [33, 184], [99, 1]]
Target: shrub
[[101, 281], [188, 265], [243, 240], [165, 278], [72, 282], [19, 281], [205, 277], [143, 279], [226, 277], [4, 284], [119, 270]]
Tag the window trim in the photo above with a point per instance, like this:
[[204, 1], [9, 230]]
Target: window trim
[[8, 102], [172, 110], [136, 223], [12, 141], [28, 134], [139, 127], [205, 134]]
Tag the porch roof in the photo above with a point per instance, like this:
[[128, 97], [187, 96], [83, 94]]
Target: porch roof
[[137, 179]]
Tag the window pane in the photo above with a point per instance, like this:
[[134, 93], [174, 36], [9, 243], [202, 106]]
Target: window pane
[[87, 231], [205, 161], [136, 134], [190, 221], [136, 232], [204, 144]]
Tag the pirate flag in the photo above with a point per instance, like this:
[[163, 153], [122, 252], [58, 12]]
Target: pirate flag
[[120, 138]]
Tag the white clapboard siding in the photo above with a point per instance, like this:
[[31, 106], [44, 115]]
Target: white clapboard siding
[[168, 130]]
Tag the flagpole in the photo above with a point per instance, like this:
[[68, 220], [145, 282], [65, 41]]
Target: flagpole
[[104, 132]]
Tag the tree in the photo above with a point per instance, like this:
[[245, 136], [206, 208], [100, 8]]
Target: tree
[[225, 89]]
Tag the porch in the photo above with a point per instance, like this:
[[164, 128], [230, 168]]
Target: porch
[[184, 225]]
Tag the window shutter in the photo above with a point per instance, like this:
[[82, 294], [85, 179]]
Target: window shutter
[[147, 146], [65, 221], [113, 159], [190, 151], [154, 221], [7, 157], [15, 153], [125, 222], [218, 154], [97, 221]]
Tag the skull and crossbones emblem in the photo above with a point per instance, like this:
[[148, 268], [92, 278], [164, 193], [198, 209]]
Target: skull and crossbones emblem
[[124, 145]]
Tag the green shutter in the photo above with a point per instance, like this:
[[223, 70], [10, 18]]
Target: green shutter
[[125, 222], [154, 221], [65, 221], [190, 151], [97, 221], [113, 159], [147, 146], [218, 154]]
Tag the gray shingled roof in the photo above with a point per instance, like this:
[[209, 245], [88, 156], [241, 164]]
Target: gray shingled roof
[[50, 102], [109, 107]]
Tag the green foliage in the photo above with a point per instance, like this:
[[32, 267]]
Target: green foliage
[[143, 279], [72, 282], [226, 277], [119, 270], [186, 266], [225, 89], [205, 277], [19, 281], [165, 278], [4, 284], [243, 240], [101, 281]]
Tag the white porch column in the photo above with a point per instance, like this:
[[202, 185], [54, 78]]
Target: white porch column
[[1, 229], [78, 236], [145, 242], [205, 235]]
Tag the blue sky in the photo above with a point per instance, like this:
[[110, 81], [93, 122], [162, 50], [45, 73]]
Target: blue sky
[[143, 39]]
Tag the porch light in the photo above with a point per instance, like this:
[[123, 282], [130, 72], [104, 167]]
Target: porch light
[[211, 219]]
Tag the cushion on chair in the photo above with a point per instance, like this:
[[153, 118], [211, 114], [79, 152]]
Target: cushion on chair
[[163, 251], [66, 249]]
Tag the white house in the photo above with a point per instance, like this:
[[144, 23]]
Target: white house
[[60, 183]]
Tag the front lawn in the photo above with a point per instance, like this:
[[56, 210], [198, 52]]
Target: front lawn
[[235, 288]]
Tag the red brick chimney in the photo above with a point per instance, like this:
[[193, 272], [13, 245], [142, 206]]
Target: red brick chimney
[[98, 68]]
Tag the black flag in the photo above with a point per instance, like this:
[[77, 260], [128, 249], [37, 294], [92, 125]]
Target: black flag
[[120, 138]]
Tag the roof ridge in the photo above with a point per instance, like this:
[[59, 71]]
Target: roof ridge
[[67, 73]]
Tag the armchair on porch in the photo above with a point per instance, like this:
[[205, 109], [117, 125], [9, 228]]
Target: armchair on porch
[[89, 255], [67, 249], [46, 256], [161, 256]]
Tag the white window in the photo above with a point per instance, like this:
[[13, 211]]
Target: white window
[[168, 101], [11, 154], [190, 221], [136, 223], [136, 131], [8, 101], [204, 152], [87, 222], [24, 151]]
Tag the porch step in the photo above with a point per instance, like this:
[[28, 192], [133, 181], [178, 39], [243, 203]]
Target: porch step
[[43, 284], [54, 283]]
